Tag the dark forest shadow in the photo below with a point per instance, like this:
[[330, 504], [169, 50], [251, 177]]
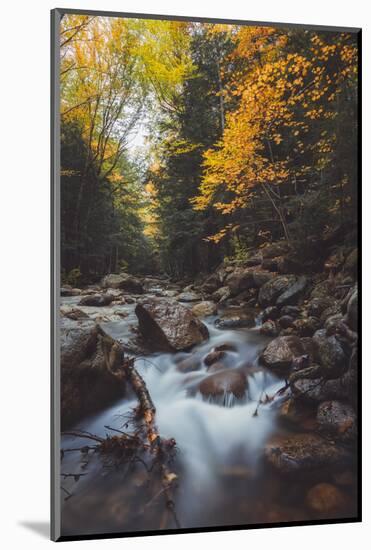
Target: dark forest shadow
[[42, 528]]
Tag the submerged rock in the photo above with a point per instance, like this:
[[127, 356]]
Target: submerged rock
[[167, 325], [304, 452], [231, 381], [269, 328], [96, 300], [213, 357], [280, 353]]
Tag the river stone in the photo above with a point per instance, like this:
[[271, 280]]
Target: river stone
[[213, 357], [87, 384], [270, 313], [73, 313], [222, 382], [275, 249], [305, 452], [325, 498], [221, 295], [168, 325], [189, 364], [203, 309], [188, 296], [280, 353], [285, 321], [269, 328], [124, 281], [271, 290], [306, 326], [330, 354], [67, 291], [318, 305], [96, 300], [244, 279], [293, 293], [337, 419]]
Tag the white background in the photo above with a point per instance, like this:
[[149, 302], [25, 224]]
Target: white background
[[25, 263]]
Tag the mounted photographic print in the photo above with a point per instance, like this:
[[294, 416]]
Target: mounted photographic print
[[205, 194]]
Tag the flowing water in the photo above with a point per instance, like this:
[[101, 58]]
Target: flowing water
[[220, 441]]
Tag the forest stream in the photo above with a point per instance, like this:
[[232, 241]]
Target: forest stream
[[223, 478]]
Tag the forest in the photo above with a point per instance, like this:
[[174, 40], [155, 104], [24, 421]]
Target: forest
[[209, 265], [241, 142]]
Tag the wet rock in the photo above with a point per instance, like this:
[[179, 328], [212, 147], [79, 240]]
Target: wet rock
[[271, 290], [322, 290], [167, 325], [214, 281], [213, 357], [330, 354], [87, 383], [270, 312], [203, 309], [190, 363], [188, 296], [306, 326], [73, 313], [240, 320], [271, 264], [337, 419], [330, 311], [244, 279], [227, 346], [231, 381], [325, 498], [293, 292], [299, 453], [280, 353], [285, 321], [215, 367], [269, 328], [96, 300], [67, 291], [221, 295], [333, 324], [317, 389], [351, 317], [309, 347], [293, 311], [123, 281], [251, 262], [318, 305]]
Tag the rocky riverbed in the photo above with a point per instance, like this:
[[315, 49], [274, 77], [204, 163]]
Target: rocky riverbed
[[253, 371]]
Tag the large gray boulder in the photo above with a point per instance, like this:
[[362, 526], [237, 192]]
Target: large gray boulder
[[244, 279], [293, 293], [281, 352], [123, 281], [167, 325], [272, 289], [330, 354], [88, 383]]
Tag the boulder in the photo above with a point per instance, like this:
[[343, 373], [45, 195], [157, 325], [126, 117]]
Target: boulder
[[167, 325], [337, 419], [306, 326], [96, 300], [190, 363], [293, 311], [272, 289], [213, 357], [275, 249], [237, 320], [293, 292], [303, 452], [280, 353], [317, 305], [325, 498], [188, 296], [221, 295], [73, 313], [67, 291], [243, 279], [285, 321], [203, 309], [124, 281], [270, 312], [214, 281], [87, 382], [230, 381], [330, 354], [269, 328]]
